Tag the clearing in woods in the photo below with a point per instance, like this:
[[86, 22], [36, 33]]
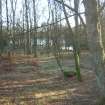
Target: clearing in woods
[[40, 82]]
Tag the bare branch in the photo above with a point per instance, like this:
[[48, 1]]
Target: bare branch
[[102, 8], [73, 11], [58, 21]]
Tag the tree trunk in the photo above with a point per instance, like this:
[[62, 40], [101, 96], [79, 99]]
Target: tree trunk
[[27, 25], [13, 7], [7, 16], [1, 26], [23, 29], [75, 52], [95, 43], [35, 30], [77, 37], [0, 17]]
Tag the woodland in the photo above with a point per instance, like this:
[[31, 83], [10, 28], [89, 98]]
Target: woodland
[[52, 52]]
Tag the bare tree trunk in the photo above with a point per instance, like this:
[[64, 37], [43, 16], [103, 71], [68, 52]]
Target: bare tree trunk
[[0, 17], [27, 25], [23, 29], [30, 28], [35, 30], [7, 16], [1, 24], [95, 43], [76, 6], [76, 55], [13, 7], [48, 41]]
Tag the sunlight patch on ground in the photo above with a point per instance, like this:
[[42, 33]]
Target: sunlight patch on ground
[[55, 93]]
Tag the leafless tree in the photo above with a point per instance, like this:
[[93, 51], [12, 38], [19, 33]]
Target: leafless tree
[[76, 55], [0, 17], [35, 30], [95, 43], [27, 26], [7, 15]]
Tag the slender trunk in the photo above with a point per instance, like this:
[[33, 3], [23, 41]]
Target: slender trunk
[[35, 30], [0, 17], [76, 55], [13, 7], [27, 25], [23, 32], [48, 42], [7, 16], [30, 30], [1, 50], [77, 39]]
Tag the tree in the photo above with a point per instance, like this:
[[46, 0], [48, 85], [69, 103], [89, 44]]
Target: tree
[[7, 16], [76, 6], [23, 28], [1, 17], [13, 7], [95, 43], [1, 44], [76, 55], [35, 30], [27, 26]]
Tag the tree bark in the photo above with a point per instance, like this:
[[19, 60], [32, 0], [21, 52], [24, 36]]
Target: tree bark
[[1, 25], [75, 52], [0, 17], [13, 7], [95, 43], [7, 16], [35, 30], [27, 25], [77, 37]]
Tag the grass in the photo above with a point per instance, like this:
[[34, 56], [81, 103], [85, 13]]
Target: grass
[[37, 99], [51, 64], [51, 87], [69, 73]]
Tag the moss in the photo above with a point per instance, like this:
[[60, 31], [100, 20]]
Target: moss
[[69, 73], [101, 101]]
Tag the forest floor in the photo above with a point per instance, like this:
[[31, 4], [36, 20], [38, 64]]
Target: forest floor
[[43, 83]]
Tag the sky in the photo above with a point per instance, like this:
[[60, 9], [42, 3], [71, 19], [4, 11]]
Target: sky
[[42, 12]]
